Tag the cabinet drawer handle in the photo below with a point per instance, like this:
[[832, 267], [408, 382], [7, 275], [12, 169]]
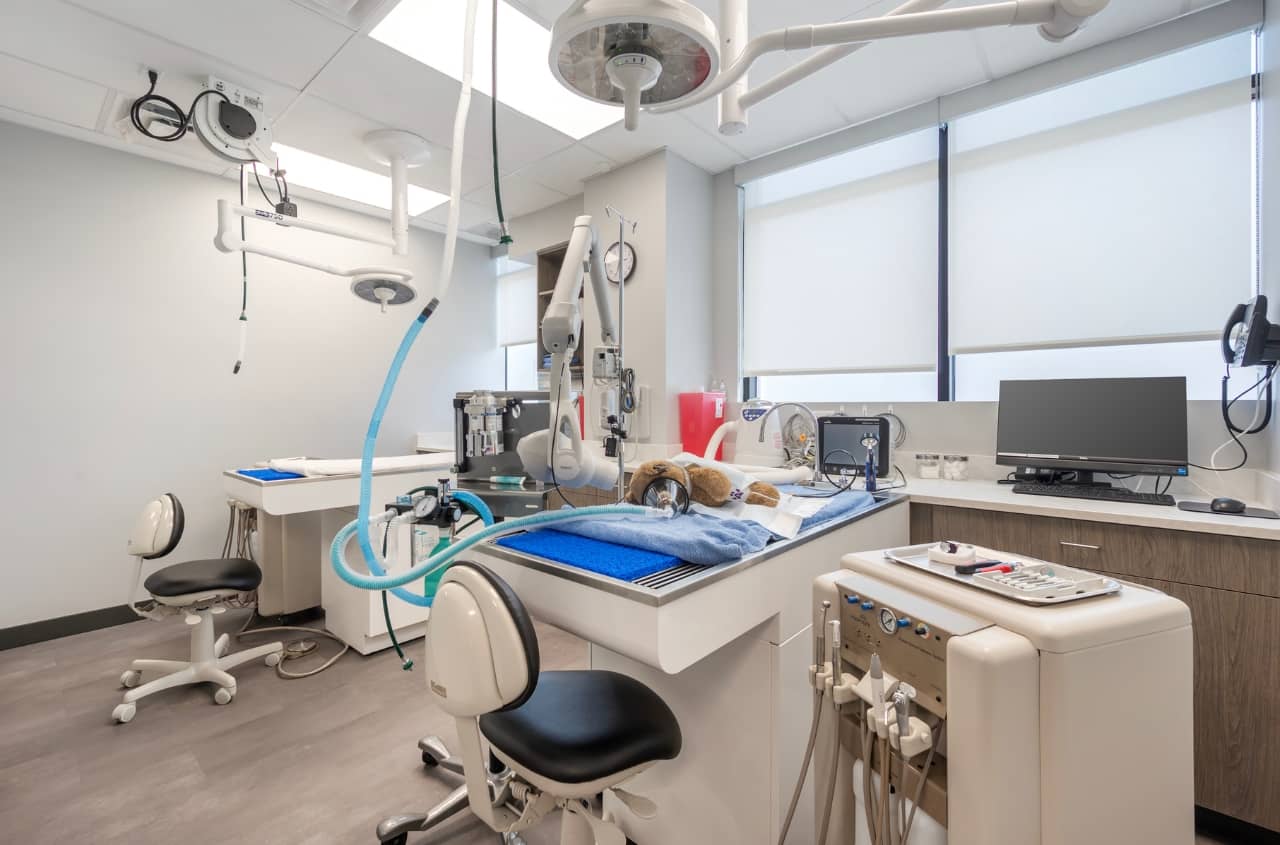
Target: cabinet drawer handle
[[1080, 546]]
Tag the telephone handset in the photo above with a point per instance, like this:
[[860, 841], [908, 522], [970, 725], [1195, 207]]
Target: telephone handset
[[1228, 342], [1249, 340]]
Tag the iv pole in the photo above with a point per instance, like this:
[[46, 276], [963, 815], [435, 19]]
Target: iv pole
[[622, 287]]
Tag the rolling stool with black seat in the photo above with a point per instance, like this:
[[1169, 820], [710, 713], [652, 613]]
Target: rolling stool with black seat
[[555, 740], [197, 588]]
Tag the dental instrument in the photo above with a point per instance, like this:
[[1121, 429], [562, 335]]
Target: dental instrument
[[665, 55]]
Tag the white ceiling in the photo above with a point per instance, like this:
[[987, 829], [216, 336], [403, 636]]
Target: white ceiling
[[74, 66]]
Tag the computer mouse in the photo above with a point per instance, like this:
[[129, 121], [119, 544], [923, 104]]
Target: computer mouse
[[1225, 504]]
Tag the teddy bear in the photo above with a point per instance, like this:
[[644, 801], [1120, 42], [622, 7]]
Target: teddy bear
[[706, 485]]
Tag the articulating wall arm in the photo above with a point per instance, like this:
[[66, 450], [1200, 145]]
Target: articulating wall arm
[[558, 455]]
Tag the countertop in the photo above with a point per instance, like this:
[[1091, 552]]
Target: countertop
[[988, 495], [700, 577]]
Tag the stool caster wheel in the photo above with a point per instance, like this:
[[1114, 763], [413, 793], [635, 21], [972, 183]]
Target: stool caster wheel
[[272, 659], [429, 760], [402, 839], [223, 696], [124, 713], [130, 678]]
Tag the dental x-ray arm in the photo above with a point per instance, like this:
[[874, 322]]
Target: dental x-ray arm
[[557, 455]]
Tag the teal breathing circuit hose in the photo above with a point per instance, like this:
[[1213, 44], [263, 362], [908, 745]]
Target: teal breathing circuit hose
[[379, 579]]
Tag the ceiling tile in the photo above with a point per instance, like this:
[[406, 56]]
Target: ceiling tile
[[520, 195], [320, 127], [1011, 49], [92, 48], [275, 38], [472, 214], [39, 91], [566, 170], [656, 131], [384, 85]]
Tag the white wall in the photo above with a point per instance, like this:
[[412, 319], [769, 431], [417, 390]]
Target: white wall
[[690, 327], [119, 334], [638, 190], [541, 229], [726, 291]]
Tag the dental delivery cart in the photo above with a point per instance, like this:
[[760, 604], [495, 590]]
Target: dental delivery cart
[[1064, 720]]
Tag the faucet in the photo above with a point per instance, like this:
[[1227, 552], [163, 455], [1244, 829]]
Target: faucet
[[813, 418]]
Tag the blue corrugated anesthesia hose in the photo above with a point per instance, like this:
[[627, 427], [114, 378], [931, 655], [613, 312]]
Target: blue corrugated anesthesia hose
[[379, 579]]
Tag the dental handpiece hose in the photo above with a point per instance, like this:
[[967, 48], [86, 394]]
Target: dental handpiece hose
[[833, 769], [819, 650]]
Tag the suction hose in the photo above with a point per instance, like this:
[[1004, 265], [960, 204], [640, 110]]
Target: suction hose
[[378, 578]]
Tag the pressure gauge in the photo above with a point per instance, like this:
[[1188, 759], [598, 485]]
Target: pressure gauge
[[611, 262], [888, 621], [425, 506]]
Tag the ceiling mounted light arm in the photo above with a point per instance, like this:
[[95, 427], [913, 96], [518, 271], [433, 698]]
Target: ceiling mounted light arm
[[382, 285], [1058, 19], [823, 58], [594, 35]]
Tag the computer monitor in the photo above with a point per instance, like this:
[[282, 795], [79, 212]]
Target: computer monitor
[[1116, 425]]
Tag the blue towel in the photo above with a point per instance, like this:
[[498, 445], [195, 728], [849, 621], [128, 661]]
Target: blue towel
[[264, 474], [630, 548], [610, 559], [693, 537], [708, 540]]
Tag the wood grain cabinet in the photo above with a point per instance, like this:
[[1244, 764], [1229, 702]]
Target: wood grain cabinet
[[1232, 586]]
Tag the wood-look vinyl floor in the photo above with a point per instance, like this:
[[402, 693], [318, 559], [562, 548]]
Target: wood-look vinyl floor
[[309, 762]]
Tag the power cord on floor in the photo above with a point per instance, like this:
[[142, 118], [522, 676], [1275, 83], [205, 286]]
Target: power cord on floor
[[242, 525]]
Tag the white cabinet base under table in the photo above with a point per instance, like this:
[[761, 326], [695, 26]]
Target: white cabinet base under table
[[297, 521], [728, 648]]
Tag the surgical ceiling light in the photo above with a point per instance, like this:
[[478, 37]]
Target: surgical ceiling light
[[664, 55]]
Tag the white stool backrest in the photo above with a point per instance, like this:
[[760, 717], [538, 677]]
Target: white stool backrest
[[158, 528], [482, 654]]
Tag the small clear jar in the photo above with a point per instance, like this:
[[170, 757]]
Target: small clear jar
[[928, 465], [955, 467]]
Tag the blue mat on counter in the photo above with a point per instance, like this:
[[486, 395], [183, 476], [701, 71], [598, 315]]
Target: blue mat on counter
[[265, 474], [621, 562]]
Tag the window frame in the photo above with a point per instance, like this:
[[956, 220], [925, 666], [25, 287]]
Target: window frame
[[946, 363]]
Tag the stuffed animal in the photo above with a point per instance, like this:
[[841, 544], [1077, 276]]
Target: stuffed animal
[[706, 485]]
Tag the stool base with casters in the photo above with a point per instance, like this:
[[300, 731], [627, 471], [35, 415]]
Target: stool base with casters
[[533, 742], [209, 663], [198, 590], [436, 755]]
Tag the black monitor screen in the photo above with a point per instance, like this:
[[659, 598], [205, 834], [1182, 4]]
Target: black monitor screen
[[1113, 424]]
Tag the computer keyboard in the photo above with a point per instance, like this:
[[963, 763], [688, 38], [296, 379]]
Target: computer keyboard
[[1100, 494]]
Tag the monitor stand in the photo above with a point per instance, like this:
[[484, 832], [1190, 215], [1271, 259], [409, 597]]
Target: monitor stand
[[1084, 478]]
